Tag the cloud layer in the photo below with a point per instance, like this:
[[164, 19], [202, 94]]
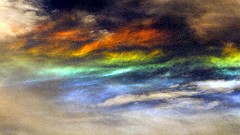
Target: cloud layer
[[119, 67]]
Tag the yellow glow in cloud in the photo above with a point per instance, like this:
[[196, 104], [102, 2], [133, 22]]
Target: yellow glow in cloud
[[135, 56], [230, 57], [5, 30], [52, 49]]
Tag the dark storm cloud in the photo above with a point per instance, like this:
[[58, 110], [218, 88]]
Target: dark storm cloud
[[172, 15], [68, 5], [119, 17], [214, 21], [111, 13], [192, 25]]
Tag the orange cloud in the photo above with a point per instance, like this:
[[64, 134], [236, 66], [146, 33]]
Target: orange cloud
[[52, 49], [55, 42], [48, 31], [44, 27], [128, 37], [18, 44], [71, 35]]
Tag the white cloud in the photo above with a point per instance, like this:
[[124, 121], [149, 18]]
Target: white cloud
[[124, 99], [217, 85], [89, 19], [17, 18]]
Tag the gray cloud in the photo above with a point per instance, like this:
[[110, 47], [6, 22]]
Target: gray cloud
[[25, 113]]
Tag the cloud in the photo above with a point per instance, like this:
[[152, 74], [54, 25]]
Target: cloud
[[131, 23], [17, 18], [126, 37], [150, 122], [125, 99], [215, 21], [26, 113], [218, 22], [23, 112], [68, 5], [104, 54], [70, 36], [77, 32], [217, 85], [129, 57]]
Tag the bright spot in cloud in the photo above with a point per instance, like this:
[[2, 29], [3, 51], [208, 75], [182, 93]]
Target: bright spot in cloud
[[217, 85], [16, 18]]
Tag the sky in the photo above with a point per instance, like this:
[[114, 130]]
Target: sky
[[130, 67]]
